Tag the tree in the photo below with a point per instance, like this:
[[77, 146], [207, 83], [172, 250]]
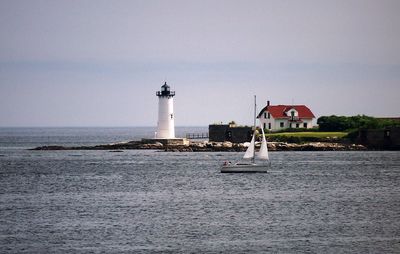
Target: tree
[[343, 123]]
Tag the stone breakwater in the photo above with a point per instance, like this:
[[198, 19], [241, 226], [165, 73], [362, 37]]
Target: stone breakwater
[[211, 147]]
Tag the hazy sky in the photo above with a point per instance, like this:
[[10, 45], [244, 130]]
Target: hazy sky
[[99, 63]]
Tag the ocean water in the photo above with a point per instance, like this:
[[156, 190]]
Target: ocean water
[[32, 137], [164, 202]]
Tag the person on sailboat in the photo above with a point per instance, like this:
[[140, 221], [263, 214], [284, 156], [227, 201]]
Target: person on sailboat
[[226, 163]]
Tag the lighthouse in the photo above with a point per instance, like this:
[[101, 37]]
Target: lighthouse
[[165, 124]]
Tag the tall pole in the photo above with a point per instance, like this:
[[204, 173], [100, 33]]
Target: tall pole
[[255, 116], [255, 111]]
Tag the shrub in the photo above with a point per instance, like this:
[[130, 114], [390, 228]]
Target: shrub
[[344, 123], [352, 135], [295, 130]]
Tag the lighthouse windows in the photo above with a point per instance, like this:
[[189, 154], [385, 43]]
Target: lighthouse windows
[[172, 116]]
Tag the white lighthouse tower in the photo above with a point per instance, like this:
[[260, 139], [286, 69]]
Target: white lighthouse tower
[[165, 125]]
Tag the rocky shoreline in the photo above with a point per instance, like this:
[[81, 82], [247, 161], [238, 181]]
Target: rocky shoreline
[[206, 146]]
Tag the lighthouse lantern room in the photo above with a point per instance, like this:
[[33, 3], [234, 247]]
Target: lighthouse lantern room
[[165, 124]]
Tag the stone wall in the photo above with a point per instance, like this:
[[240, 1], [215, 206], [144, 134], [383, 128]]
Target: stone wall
[[231, 133], [388, 138]]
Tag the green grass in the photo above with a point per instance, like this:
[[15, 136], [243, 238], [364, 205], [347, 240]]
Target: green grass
[[303, 137], [309, 134]]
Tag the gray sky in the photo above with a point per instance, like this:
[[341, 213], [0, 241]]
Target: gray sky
[[99, 63]]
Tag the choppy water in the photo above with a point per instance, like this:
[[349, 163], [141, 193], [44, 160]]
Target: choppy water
[[149, 201]]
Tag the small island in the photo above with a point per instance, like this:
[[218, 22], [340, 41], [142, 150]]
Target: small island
[[206, 146], [332, 134]]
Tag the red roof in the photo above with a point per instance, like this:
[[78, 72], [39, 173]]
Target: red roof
[[279, 111]]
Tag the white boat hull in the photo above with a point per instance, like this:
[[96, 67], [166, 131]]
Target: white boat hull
[[244, 168]]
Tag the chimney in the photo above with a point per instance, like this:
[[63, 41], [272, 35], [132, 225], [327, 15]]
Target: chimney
[[267, 103]]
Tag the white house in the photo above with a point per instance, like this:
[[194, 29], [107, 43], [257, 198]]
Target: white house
[[276, 117]]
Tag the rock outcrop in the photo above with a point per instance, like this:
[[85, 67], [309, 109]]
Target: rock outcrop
[[212, 146]]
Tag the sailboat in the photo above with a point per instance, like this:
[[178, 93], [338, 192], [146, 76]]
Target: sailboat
[[251, 166]]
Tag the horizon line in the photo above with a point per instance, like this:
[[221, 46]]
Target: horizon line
[[96, 126]]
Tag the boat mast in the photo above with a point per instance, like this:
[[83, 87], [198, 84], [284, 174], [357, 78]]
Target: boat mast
[[255, 112]]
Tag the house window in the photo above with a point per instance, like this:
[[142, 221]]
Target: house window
[[269, 115], [297, 125], [282, 124], [292, 114], [269, 126], [265, 126], [305, 125], [265, 116]]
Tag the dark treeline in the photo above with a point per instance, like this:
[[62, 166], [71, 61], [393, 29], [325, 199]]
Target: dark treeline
[[347, 123]]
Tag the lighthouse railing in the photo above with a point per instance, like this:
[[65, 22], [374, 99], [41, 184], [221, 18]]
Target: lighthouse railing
[[165, 93]]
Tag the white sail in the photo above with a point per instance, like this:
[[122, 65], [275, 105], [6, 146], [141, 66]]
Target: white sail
[[250, 167], [250, 150], [263, 153]]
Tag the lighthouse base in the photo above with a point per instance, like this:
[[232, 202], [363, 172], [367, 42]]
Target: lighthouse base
[[167, 141]]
